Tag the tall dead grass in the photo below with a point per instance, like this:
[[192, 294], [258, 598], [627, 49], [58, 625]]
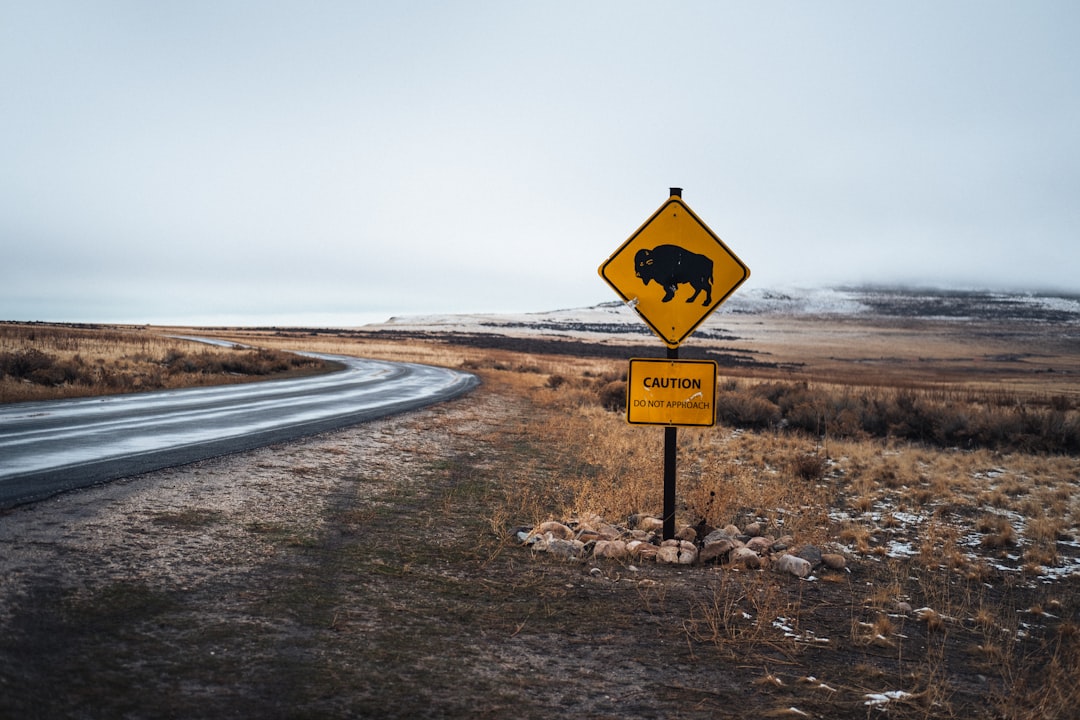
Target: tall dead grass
[[926, 525], [44, 362], [961, 418]]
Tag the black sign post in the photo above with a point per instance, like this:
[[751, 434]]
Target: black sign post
[[679, 253], [671, 444]]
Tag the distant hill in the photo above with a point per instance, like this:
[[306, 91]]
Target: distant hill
[[615, 318], [908, 302]]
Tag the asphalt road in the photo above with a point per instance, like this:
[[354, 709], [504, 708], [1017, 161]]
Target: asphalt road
[[50, 447]]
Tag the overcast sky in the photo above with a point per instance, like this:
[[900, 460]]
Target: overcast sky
[[335, 162]]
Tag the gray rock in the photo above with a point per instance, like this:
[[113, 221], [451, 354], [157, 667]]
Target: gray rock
[[677, 552], [643, 550], [587, 536], [613, 549], [717, 536], [715, 551], [566, 549], [687, 533], [745, 557], [760, 544], [793, 565], [557, 530], [647, 523], [810, 554]]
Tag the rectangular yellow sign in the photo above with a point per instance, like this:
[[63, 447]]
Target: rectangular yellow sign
[[671, 392]]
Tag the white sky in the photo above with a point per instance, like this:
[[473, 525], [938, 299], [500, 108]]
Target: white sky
[[336, 162]]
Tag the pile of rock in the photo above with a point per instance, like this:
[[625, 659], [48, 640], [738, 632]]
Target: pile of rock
[[640, 540]]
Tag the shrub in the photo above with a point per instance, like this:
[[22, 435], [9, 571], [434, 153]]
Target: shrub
[[746, 410], [24, 363], [173, 356], [969, 421], [613, 395], [810, 467]]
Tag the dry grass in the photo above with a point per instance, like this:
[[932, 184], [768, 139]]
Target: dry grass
[[841, 485], [959, 533], [961, 512], [48, 362]]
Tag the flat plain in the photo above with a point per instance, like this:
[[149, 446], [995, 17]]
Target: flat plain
[[378, 571]]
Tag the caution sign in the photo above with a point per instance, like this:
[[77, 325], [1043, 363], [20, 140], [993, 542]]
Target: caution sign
[[671, 392], [674, 271]]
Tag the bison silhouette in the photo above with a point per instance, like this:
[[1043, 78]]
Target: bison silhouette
[[671, 266]]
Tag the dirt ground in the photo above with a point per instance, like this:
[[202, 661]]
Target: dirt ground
[[360, 574], [372, 572]]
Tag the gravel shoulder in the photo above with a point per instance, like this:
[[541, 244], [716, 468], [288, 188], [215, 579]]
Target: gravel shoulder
[[173, 588]]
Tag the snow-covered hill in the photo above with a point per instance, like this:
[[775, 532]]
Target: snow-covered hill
[[907, 302], [615, 318]]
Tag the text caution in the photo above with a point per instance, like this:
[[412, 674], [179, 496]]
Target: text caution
[[671, 392]]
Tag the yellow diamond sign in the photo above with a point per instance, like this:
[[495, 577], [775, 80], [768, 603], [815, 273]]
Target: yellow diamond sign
[[674, 271]]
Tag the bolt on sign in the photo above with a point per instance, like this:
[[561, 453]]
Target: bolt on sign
[[674, 271], [671, 392]]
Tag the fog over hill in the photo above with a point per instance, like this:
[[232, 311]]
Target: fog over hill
[[616, 318]]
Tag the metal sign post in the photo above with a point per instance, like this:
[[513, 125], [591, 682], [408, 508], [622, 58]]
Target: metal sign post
[[674, 272], [671, 446]]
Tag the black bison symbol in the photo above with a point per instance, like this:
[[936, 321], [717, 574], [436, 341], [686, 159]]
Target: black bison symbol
[[671, 266]]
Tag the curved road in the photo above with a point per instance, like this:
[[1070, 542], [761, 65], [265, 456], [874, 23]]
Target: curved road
[[50, 447]]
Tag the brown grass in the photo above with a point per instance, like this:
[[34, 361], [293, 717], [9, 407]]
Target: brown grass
[[792, 479], [47, 362], [961, 471]]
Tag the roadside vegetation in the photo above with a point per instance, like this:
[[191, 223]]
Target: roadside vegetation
[[45, 362], [941, 417], [961, 595], [956, 508]]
